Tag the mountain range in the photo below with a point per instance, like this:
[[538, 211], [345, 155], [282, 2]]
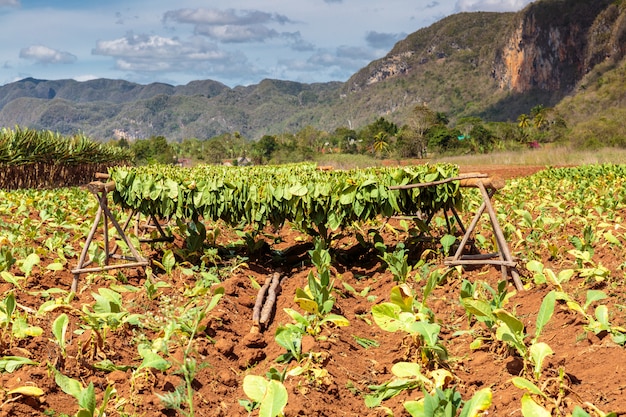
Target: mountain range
[[496, 66]]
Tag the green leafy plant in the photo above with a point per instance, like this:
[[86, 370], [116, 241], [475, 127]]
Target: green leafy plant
[[269, 396], [480, 302], [12, 363], [404, 313], [396, 262], [13, 323], [542, 275], [85, 396], [588, 241], [153, 286], [448, 402], [599, 321], [407, 376], [317, 297], [107, 313], [59, 330]]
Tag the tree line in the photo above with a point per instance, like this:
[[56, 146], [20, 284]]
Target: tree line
[[425, 132]]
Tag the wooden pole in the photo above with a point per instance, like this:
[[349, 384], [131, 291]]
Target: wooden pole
[[83, 255], [501, 241]]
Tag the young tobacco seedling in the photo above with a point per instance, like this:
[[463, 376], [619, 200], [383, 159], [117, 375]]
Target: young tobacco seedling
[[406, 314], [407, 376], [446, 403], [14, 324], [511, 331], [397, 263], [317, 298], [269, 396], [59, 330], [86, 397], [599, 321], [184, 328], [482, 307]]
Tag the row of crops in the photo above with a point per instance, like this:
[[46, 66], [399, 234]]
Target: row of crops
[[43, 159], [309, 199]]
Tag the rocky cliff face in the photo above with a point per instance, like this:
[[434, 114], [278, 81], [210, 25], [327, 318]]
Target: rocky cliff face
[[547, 46], [553, 44]]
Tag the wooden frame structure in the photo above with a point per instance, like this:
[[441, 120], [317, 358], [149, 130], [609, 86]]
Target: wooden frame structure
[[100, 191], [487, 187]]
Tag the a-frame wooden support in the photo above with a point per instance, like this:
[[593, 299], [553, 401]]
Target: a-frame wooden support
[[503, 257], [100, 191], [488, 187]]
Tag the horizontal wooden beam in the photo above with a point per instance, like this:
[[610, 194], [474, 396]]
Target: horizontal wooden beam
[[466, 180], [98, 186]]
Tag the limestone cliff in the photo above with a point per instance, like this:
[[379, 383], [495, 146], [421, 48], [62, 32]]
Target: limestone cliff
[[554, 43], [549, 45]]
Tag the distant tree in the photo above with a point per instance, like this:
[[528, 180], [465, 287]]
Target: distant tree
[[523, 121], [538, 113], [369, 133], [123, 143], [155, 150], [442, 138], [345, 139], [311, 138], [483, 137], [413, 138], [381, 143], [409, 144], [441, 118], [263, 149]]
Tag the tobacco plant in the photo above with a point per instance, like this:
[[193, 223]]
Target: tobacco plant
[[404, 312], [406, 376], [268, 395], [480, 301], [107, 313], [317, 301], [448, 402], [59, 330], [506, 327], [85, 396], [13, 323], [317, 297]]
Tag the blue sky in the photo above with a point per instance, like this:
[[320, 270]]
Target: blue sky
[[184, 40]]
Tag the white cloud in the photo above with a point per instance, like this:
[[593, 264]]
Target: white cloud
[[44, 55], [154, 54], [237, 33], [230, 25], [490, 5], [86, 77], [143, 51], [223, 17]]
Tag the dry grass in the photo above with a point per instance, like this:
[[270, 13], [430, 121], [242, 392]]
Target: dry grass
[[546, 156]]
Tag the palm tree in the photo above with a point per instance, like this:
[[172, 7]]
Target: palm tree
[[380, 143], [523, 121], [539, 114]]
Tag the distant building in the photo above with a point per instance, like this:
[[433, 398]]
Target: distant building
[[242, 161], [184, 162]]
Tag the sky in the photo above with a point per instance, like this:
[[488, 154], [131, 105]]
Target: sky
[[240, 43]]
